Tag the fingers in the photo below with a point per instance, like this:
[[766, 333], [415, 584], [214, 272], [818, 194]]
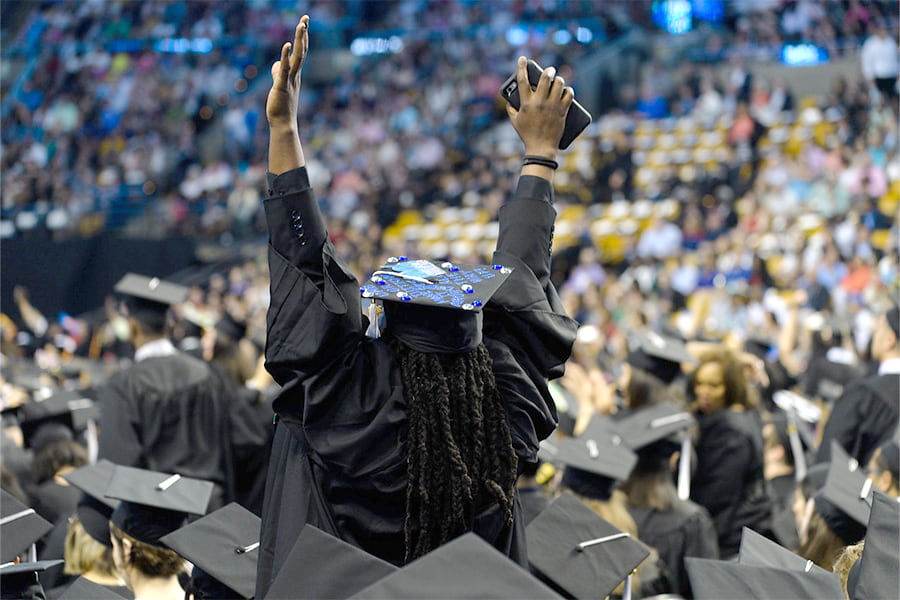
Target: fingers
[[522, 79], [545, 83], [568, 96], [511, 112], [301, 44]]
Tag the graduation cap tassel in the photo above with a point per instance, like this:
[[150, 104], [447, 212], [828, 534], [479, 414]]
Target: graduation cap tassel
[[626, 593], [374, 330], [684, 467], [93, 445], [32, 553], [796, 447]]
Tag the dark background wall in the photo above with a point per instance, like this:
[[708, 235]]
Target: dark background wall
[[75, 276]]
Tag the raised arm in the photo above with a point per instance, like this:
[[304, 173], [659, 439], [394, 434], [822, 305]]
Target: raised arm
[[285, 151], [314, 314]]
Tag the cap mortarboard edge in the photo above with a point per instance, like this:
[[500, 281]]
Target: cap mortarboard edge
[[16, 516]]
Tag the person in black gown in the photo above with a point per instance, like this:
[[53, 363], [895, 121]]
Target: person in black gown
[[398, 443]]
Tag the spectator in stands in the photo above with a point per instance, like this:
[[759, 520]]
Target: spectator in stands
[[880, 61]]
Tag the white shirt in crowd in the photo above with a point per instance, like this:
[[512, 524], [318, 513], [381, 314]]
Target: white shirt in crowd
[[879, 57]]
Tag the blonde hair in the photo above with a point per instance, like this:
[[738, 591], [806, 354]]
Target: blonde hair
[[821, 544], [151, 561], [83, 553], [845, 561]]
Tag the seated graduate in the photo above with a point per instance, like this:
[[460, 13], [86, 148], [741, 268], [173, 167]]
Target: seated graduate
[[403, 439]]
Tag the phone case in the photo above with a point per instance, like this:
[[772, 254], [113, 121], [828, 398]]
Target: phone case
[[576, 119]]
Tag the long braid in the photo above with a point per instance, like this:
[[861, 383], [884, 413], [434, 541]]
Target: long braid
[[461, 458]]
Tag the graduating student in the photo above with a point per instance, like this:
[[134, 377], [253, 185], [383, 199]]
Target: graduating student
[[866, 414], [399, 443], [169, 411]]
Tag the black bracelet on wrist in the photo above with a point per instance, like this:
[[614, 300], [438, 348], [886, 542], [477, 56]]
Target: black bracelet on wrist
[[531, 159]]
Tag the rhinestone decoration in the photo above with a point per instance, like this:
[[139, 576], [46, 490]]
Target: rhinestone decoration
[[393, 259], [498, 267], [447, 265], [404, 296], [366, 293], [467, 306], [378, 279], [467, 288], [505, 270], [402, 259], [453, 269], [477, 303]]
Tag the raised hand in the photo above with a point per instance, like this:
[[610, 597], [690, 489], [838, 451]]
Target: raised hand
[[541, 117], [281, 105]]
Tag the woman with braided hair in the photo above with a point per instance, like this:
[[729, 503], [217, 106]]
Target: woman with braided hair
[[401, 425]]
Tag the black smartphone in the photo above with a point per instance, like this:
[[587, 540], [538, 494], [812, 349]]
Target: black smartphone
[[577, 118]]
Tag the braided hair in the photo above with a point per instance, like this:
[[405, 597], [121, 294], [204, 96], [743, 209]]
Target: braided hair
[[460, 454]]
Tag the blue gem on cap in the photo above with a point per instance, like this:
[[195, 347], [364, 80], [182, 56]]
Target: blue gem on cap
[[477, 303], [467, 288], [404, 296], [402, 258], [498, 267], [378, 279], [453, 268]]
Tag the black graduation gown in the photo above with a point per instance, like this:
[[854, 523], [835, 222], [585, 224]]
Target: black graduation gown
[[684, 530], [169, 414], [339, 454], [864, 417], [729, 479]]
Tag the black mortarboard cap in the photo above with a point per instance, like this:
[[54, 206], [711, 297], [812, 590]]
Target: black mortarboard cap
[[20, 527], [715, 579], [322, 566], [879, 566], [846, 499], [231, 327], [890, 453], [94, 508], [20, 580], [657, 354], [467, 567], [151, 289], [149, 298], [83, 589], [759, 551], [65, 407], [595, 460], [153, 503], [652, 424], [432, 306], [224, 544], [578, 551]]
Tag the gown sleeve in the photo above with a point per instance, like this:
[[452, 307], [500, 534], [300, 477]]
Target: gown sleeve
[[525, 327], [314, 314]]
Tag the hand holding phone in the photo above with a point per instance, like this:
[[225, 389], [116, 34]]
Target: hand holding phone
[[576, 119]]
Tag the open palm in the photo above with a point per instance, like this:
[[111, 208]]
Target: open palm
[[281, 105]]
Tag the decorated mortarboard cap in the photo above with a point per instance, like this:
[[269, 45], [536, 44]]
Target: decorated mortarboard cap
[[580, 553], [715, 579], [659, 355], [432, 306], [20, 527], [845, 501], [84, 589], [322, 566], [879, 566], [467, 567], [224, 544], [94, 508], [20, 580], [431, 283], [759, 551], [153, 503]]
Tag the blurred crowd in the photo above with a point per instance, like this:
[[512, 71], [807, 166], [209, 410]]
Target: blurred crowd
[[708, 204]]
